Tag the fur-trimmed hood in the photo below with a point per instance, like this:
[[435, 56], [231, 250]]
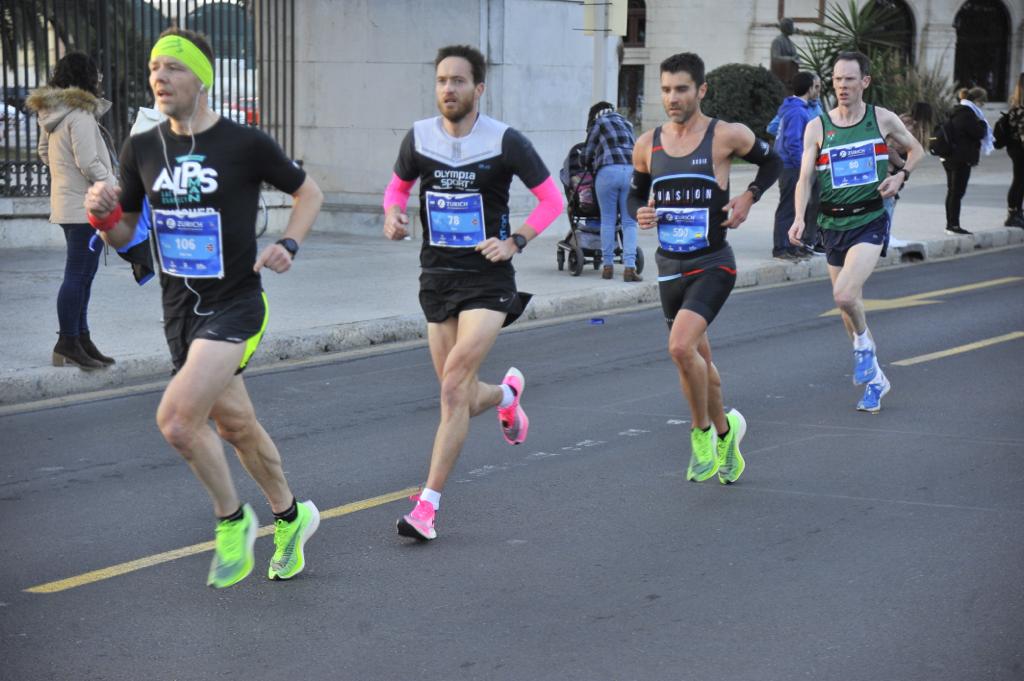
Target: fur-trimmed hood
[[52, 104]]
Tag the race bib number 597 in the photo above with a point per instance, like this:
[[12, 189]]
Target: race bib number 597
[[682, 230]]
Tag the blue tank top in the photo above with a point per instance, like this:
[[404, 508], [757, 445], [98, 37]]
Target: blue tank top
[[688, 199]]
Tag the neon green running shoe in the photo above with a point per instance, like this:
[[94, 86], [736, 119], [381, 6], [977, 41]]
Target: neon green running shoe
[[233, 555], [703, 461], [289, 538], [730, 461]]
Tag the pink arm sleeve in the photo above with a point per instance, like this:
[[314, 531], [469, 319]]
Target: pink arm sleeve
[[549, 208], [397, 193]]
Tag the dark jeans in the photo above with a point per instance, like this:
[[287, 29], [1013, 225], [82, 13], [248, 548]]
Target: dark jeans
[[79, 271], [957, 176], [787, 210], [1015, 196]]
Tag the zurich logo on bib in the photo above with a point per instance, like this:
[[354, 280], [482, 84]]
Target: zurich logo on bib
[[455, 220], [682, 230]]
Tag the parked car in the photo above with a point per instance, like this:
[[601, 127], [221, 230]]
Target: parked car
[[17, 126], [249, 108], [229, 112]]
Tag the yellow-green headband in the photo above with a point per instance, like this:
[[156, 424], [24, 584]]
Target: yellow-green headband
[[185, 51]]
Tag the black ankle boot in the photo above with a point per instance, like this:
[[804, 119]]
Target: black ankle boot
[[93, 351], [69, 352]]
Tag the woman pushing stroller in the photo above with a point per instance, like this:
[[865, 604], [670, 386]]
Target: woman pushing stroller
[[609, 152]]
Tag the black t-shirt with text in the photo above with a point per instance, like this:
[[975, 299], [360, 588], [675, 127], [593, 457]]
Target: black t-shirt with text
[[222, 174], [483, 162]]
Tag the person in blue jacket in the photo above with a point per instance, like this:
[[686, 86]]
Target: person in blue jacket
[[793, 117]]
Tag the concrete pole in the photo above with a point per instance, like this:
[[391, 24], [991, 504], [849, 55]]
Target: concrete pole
[[600, 50]]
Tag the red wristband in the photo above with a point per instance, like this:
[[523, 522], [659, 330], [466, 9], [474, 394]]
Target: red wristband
[[109, 222]]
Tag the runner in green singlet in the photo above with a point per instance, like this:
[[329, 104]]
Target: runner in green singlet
[[846, 147]]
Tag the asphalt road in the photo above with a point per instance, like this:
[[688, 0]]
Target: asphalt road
[[855, 547]]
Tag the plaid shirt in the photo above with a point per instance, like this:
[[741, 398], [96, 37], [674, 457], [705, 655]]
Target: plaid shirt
[[610, 142]]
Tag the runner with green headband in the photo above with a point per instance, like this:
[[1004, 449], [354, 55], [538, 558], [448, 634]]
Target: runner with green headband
[[185, 51], [202, 176]]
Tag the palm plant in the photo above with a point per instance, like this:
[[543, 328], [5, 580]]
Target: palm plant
[[864, 29]]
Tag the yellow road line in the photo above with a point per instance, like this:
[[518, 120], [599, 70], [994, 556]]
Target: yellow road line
[[960, 348], [150, 561], [966, 287], [916, 299]]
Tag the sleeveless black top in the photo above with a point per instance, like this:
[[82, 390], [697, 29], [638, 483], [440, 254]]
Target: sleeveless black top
[[688, 182]]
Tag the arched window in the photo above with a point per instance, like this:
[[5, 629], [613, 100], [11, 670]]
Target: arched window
[[983, 46], [902, 26], [636, 24]]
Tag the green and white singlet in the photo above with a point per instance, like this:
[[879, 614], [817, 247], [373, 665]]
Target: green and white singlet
[[852, 163]]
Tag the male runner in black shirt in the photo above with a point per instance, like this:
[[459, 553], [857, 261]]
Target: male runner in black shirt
[[465, 161], [686, 161], [202, 175]]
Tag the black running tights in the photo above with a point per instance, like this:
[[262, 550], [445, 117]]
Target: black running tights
[[1015, 197], [957, 176]]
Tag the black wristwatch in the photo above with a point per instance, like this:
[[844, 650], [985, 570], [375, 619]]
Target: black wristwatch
[[520, 241], [906, 174], [289, 245], [755, 191]]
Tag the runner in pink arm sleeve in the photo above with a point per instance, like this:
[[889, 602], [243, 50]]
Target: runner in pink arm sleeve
[[397, 193], [549, 208]]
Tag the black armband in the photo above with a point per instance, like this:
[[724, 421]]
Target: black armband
[[639, 191], [769, 167]]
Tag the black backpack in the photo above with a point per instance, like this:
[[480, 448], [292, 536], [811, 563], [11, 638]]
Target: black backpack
[[578, 180], [940, 142], [1001, 131]]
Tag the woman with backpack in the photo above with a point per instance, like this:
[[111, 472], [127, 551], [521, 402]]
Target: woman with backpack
[[1009, 133], [969, 132]]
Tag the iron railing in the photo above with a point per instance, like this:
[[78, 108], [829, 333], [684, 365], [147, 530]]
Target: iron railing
[[254, 70]]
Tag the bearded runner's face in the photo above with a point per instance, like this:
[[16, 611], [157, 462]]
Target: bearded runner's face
[[457, 94]]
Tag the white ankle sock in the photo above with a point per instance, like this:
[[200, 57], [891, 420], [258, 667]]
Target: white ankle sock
[[432, 497], [508, 396], [862, 341]]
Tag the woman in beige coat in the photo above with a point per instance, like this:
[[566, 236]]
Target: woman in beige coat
[[71, 144]]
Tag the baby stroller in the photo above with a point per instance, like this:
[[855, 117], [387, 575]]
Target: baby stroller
[[582, 245]]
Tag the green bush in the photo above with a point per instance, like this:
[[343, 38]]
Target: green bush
[[740, 93]]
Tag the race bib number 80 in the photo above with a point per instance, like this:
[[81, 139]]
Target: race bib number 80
[[682, 230], [852, 165], [189, 244], [455, 220]]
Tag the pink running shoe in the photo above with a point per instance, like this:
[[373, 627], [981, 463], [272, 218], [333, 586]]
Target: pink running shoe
[[513, 421], [419, 523]]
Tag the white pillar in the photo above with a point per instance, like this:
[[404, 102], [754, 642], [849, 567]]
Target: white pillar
[[600, 52]]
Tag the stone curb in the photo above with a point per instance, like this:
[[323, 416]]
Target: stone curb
[[44, 383]]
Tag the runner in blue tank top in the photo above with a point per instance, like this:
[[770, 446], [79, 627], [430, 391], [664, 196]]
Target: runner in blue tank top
[[686, 162]]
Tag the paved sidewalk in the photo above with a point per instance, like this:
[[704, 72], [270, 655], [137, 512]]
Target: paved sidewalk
[[348, 292]]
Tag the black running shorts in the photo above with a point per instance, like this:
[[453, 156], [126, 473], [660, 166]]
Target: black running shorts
[[700, 284], [446, 295], [837, 243], [241, 320]]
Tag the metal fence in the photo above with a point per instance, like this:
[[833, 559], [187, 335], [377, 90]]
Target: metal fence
[[254, 68]]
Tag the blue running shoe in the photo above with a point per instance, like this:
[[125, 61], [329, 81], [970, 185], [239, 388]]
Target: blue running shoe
[[865, 366], [873, 394]]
